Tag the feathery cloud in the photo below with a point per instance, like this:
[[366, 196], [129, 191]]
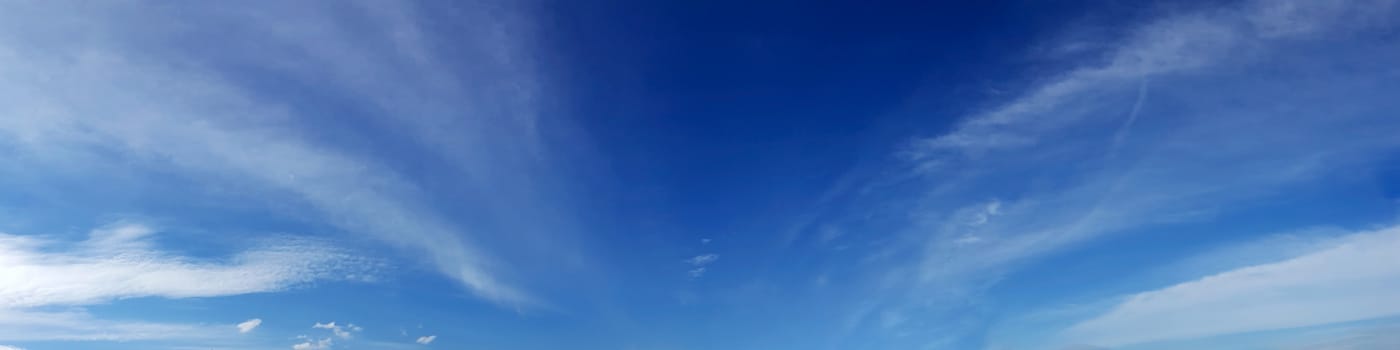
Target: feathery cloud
[[425, 340], [121, 261], [113, 85], [1063, 169], [1180, 172], [118, 262]]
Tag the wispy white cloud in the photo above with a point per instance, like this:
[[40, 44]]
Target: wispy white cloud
[[7, 347], [699, 262], [1174, 44], [249, 325], [425, 340], [118, 84], [121, 261], [117, 262], [1348, 281], [1089, 153], [1082, 186]]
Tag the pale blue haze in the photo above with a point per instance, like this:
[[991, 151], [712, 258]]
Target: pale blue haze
[[699, 175]]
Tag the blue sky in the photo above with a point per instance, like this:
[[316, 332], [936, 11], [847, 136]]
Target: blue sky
[[706, 175]]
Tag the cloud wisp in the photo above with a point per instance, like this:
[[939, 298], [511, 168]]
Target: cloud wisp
[[427, 339], [1090, 152], [1085, 185], [120, 262], [249, 325], [1349, 280], [698, 264]]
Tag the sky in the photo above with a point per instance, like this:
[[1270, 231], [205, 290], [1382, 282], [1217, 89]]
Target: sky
[[657, 175]]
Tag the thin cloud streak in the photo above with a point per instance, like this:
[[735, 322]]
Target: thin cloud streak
[[1167, 183], [116, 263], [249, 325], [1348, 281], [24, 326], [425, 340]]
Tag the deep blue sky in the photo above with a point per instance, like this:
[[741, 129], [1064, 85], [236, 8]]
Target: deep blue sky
[[705, 175]]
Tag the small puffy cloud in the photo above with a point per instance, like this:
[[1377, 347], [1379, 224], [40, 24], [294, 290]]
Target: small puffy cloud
[[314, 345], [425, 340], [7, 347], [249, 325], [344, 332]]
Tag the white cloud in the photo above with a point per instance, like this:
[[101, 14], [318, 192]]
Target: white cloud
[[117, 262], [425, 340], [322, 344], [85, 82], [1057, 194], [698, 263], [1352, 279], [1172, 44], [7, 347], [249, 325], [1064, 169], [344, 332], [121, 261]]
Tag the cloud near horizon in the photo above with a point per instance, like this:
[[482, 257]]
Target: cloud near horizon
[[1345, 281], [121, 261]]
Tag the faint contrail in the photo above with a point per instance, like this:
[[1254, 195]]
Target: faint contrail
[[1123, 131]]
